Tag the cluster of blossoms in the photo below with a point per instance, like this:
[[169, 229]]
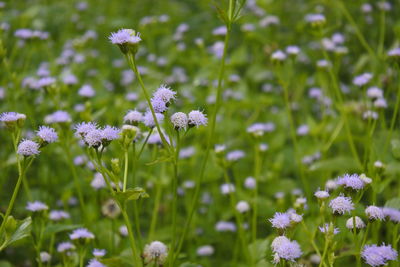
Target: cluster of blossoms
[[286, 249], [93, 136], [378, 255]]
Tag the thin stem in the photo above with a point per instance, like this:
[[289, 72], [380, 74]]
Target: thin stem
[[257, 166], [126, 157], [210, 139], [136, 258]]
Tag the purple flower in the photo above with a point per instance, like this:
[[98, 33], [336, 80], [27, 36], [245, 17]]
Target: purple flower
[[148, 119], [179, 120], [94, 138], [65, 246], [321, 194], [99, 252], [125, 36], [83, 128], [159, 106], [11, 116], [352, 181], [133, 116], [81, 233], [28, 148], [362, 79], [58, 215], [45, 82], [393, 214], [110, 133], [87, 91], [95, 263], [47, 134], [341, 205], [326, 228], [375, 213], [197, 118], [235, 155], [280, 220], [285, 249], [36, 206], [378, 255], [165, 94], [58, 117]]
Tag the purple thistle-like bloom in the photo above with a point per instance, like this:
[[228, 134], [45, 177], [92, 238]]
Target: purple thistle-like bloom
[[28, 148], [99, 252], [197, 118], [280, 220], [375, 213], [235, 155], [159, 105], [179, 120], [393, 214], [81, 233], [325, 228], [125, 36], [58, 117], [36, 206], [321, 194], [87, 91], [58, 215], [378, 255], [95, 263], [148, 119], [352, 181], [133, 116], [11, 116], [45, 82], [362, 79], [93, 138], [65, 246], [47, 134], [110, 133], [165, 94], [341, 205], [285, 249], [83, 128]]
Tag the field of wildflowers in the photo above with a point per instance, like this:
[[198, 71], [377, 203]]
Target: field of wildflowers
[[199, 133]]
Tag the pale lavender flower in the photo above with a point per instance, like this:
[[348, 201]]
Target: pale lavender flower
[[69, 79], [165, 94], [65, 246], [221, 30], [292, 50], [374, 92], [148, 119], [223, 226], [94, 138], [250, 183], [110, 133], [278, 56], [58, 117], [327, 227], [11, 116], [395, 52], [187, 152], [242, 206], [227, 189], [179, 120], [285, 249], [303, 130], [125, 36], [81, 129], [374, 213], [99, 252], [44, 256], [280, 220], [28, 148], [81, 233], [36, 206], [356, 222], [392, 214], [87, 91], [341, 205], [133, 116], [321, 194], [95, 263], [378, 255], [235, 155], [197, 118], [98, 181], [46, 82], [204, 251], [352, 181], [362, 79], [47, 134], [58, 215], [159, 105], [315, 18]]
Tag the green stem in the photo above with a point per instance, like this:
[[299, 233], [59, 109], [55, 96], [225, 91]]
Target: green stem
[[136, 258], [126, 157], [257, 166], [156, 205], [210, 140]]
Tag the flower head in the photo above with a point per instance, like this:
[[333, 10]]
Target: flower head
[[197, 118], [355, 222], [352, 181], [159, 105], [95, 263], [341, 204], [110, 133], [58, 215], [11, 116], [94, 138], [148, 119], [285, 249], [58, 117], [321, 194], [81, 233], [375, 213], [326, 228], [165, 94], [47, 134], [28, 148], [36, 206], [179, 120], [65, 246], [125, 36], [83, 128], [280, 220], [133, 117], [378, 255]]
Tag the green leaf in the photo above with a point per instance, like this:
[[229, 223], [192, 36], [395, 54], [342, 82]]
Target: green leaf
[[131, 194], [396, 148], [113, 262], [258, 249], [335, 164], [23, 230], [56, 228], [393, 203]]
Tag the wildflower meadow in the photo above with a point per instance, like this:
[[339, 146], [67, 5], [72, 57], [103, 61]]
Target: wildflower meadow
[[199, 133]]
